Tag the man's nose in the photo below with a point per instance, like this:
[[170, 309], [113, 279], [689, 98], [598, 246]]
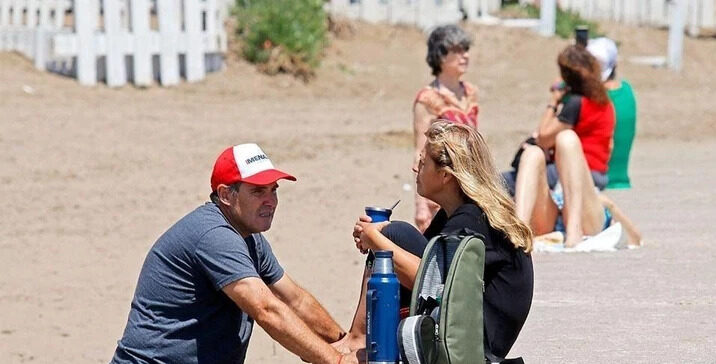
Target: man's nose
[[271, 201]]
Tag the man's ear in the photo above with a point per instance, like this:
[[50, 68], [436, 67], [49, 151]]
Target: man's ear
[[223, 192]]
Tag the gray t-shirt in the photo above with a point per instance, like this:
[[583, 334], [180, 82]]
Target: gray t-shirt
[[179, 313]]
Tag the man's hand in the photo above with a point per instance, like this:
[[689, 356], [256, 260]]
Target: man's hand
[[350, 343], [355, 357]]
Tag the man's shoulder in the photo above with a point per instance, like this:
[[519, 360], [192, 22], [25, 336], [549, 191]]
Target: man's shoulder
[[205, 217], [193, 226]]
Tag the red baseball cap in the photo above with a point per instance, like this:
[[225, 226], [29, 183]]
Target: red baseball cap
[[245, 163]]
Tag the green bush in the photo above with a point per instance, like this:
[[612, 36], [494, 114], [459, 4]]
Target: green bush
[[282, 35], [566, 20]]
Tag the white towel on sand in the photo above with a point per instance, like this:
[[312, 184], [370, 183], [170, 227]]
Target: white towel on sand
[[609, 240]]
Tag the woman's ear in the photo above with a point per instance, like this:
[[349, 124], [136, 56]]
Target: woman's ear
[[446, 176]]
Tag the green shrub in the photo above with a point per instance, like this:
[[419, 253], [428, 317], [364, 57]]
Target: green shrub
[[566, 20], [282, 35]]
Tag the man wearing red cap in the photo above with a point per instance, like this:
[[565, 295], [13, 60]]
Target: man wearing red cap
[[213, 273]]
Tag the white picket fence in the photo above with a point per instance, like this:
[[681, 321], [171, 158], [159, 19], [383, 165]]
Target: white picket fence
[[424, 14], [428, 13], [700, 13], [118, 41]]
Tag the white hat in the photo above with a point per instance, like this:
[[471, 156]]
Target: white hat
[[605, 51]]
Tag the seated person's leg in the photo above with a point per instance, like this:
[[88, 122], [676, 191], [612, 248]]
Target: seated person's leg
[[409, 239], [355, 339], [583, 212], [533, 203], [633, 234], [406, 236], [425, 210]]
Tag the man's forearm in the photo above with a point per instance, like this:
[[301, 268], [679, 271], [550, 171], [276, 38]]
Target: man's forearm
[[285, 326], [312, 313]]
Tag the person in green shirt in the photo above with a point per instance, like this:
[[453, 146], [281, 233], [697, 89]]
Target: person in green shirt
[[622, 96]]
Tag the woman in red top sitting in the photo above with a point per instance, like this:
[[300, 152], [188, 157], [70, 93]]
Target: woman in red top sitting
[[576, 130], [447, 98]]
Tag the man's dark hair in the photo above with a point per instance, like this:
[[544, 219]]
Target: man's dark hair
[[441, 40]]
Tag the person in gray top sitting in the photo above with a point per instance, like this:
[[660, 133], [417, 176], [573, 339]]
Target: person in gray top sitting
[[213, 273]]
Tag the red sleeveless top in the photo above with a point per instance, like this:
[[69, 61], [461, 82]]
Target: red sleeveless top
[[445, 106], [595, 130]]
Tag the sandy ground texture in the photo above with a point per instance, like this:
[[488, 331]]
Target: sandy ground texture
[[90, 177]]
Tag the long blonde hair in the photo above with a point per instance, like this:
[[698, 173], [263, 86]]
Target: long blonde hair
[[461, 151]]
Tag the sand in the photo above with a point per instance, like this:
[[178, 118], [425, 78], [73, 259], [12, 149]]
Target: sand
[[90, 177]]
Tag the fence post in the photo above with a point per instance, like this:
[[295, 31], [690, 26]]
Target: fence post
[[31, 17], [86, 13], [60, 14], [616, 10], [114, 58], [694, 18], [426, 10], [44, 20], [677, 10], [548, 16], [370, 11], [142, 58], [4, 23], [17, 13], [340, 7], [41, 46], [643, 12], [211, 19], [4, 13], [168, 12], [40, 49], [708, 19], [630, 12], [194, 56]]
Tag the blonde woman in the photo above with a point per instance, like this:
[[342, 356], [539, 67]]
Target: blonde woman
[[456, 171]]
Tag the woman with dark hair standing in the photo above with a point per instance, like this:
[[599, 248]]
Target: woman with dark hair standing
[[447, 97], [576, 130]]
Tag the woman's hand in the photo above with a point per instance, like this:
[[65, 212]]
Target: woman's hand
[[558, 95], [363, 230]]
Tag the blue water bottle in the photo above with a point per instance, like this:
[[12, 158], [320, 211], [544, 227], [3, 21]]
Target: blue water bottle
[[382, 311]]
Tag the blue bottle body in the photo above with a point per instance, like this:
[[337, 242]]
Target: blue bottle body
[[382, 311]]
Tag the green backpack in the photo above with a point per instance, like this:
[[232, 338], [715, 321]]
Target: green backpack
[[445, 325]]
